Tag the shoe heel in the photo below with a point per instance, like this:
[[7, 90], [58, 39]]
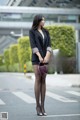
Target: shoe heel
[[39, 113]]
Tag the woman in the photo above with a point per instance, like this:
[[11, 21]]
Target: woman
[[41, 51]]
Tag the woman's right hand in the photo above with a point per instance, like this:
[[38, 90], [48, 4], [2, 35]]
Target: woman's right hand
[[41, 59], [39, 56]]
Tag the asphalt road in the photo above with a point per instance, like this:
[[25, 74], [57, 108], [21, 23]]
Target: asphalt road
[[17, 99]]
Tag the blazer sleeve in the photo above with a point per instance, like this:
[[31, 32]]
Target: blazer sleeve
[[32, 41], [49, 43]]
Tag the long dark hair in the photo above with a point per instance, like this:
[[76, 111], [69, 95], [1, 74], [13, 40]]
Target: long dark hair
[[36, 21]]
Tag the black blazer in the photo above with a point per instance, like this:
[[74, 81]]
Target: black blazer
[[37, 43]]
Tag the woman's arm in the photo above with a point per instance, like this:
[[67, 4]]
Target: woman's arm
[[32, 42], [39, 56], [47, 57], [49, 50]]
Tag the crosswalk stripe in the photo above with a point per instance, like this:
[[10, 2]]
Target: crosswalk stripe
[[58, 97], [1, 102], [73, 92], [62, 115], [24, 97]]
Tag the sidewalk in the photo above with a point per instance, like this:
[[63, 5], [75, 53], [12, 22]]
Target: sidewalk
[[62, 80], [70, 80]]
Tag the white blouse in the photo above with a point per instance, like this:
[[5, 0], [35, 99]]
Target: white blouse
[[41, 33]]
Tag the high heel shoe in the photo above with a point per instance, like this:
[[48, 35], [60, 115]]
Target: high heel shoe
[[39, 113], [43, 111]]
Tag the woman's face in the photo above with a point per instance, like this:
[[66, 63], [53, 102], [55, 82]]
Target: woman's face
[[42, 22]]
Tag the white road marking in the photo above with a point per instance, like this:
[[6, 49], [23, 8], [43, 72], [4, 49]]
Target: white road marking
[[73, 92], [1, 102], [63, 115], [24, 97], [58, 97]]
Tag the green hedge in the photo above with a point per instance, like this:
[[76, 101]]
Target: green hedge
[[3, 68], [15, 68], [11, 68], [6, 58], [1, 59], [13, 54], [24, 51], [63, 38]]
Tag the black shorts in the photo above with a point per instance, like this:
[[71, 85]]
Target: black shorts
[[35, 63]]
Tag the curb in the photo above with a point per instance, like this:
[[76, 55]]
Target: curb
[[58, 80]]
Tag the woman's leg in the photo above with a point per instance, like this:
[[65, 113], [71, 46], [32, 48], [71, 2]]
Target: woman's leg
[[37, 87], [43, 92]]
